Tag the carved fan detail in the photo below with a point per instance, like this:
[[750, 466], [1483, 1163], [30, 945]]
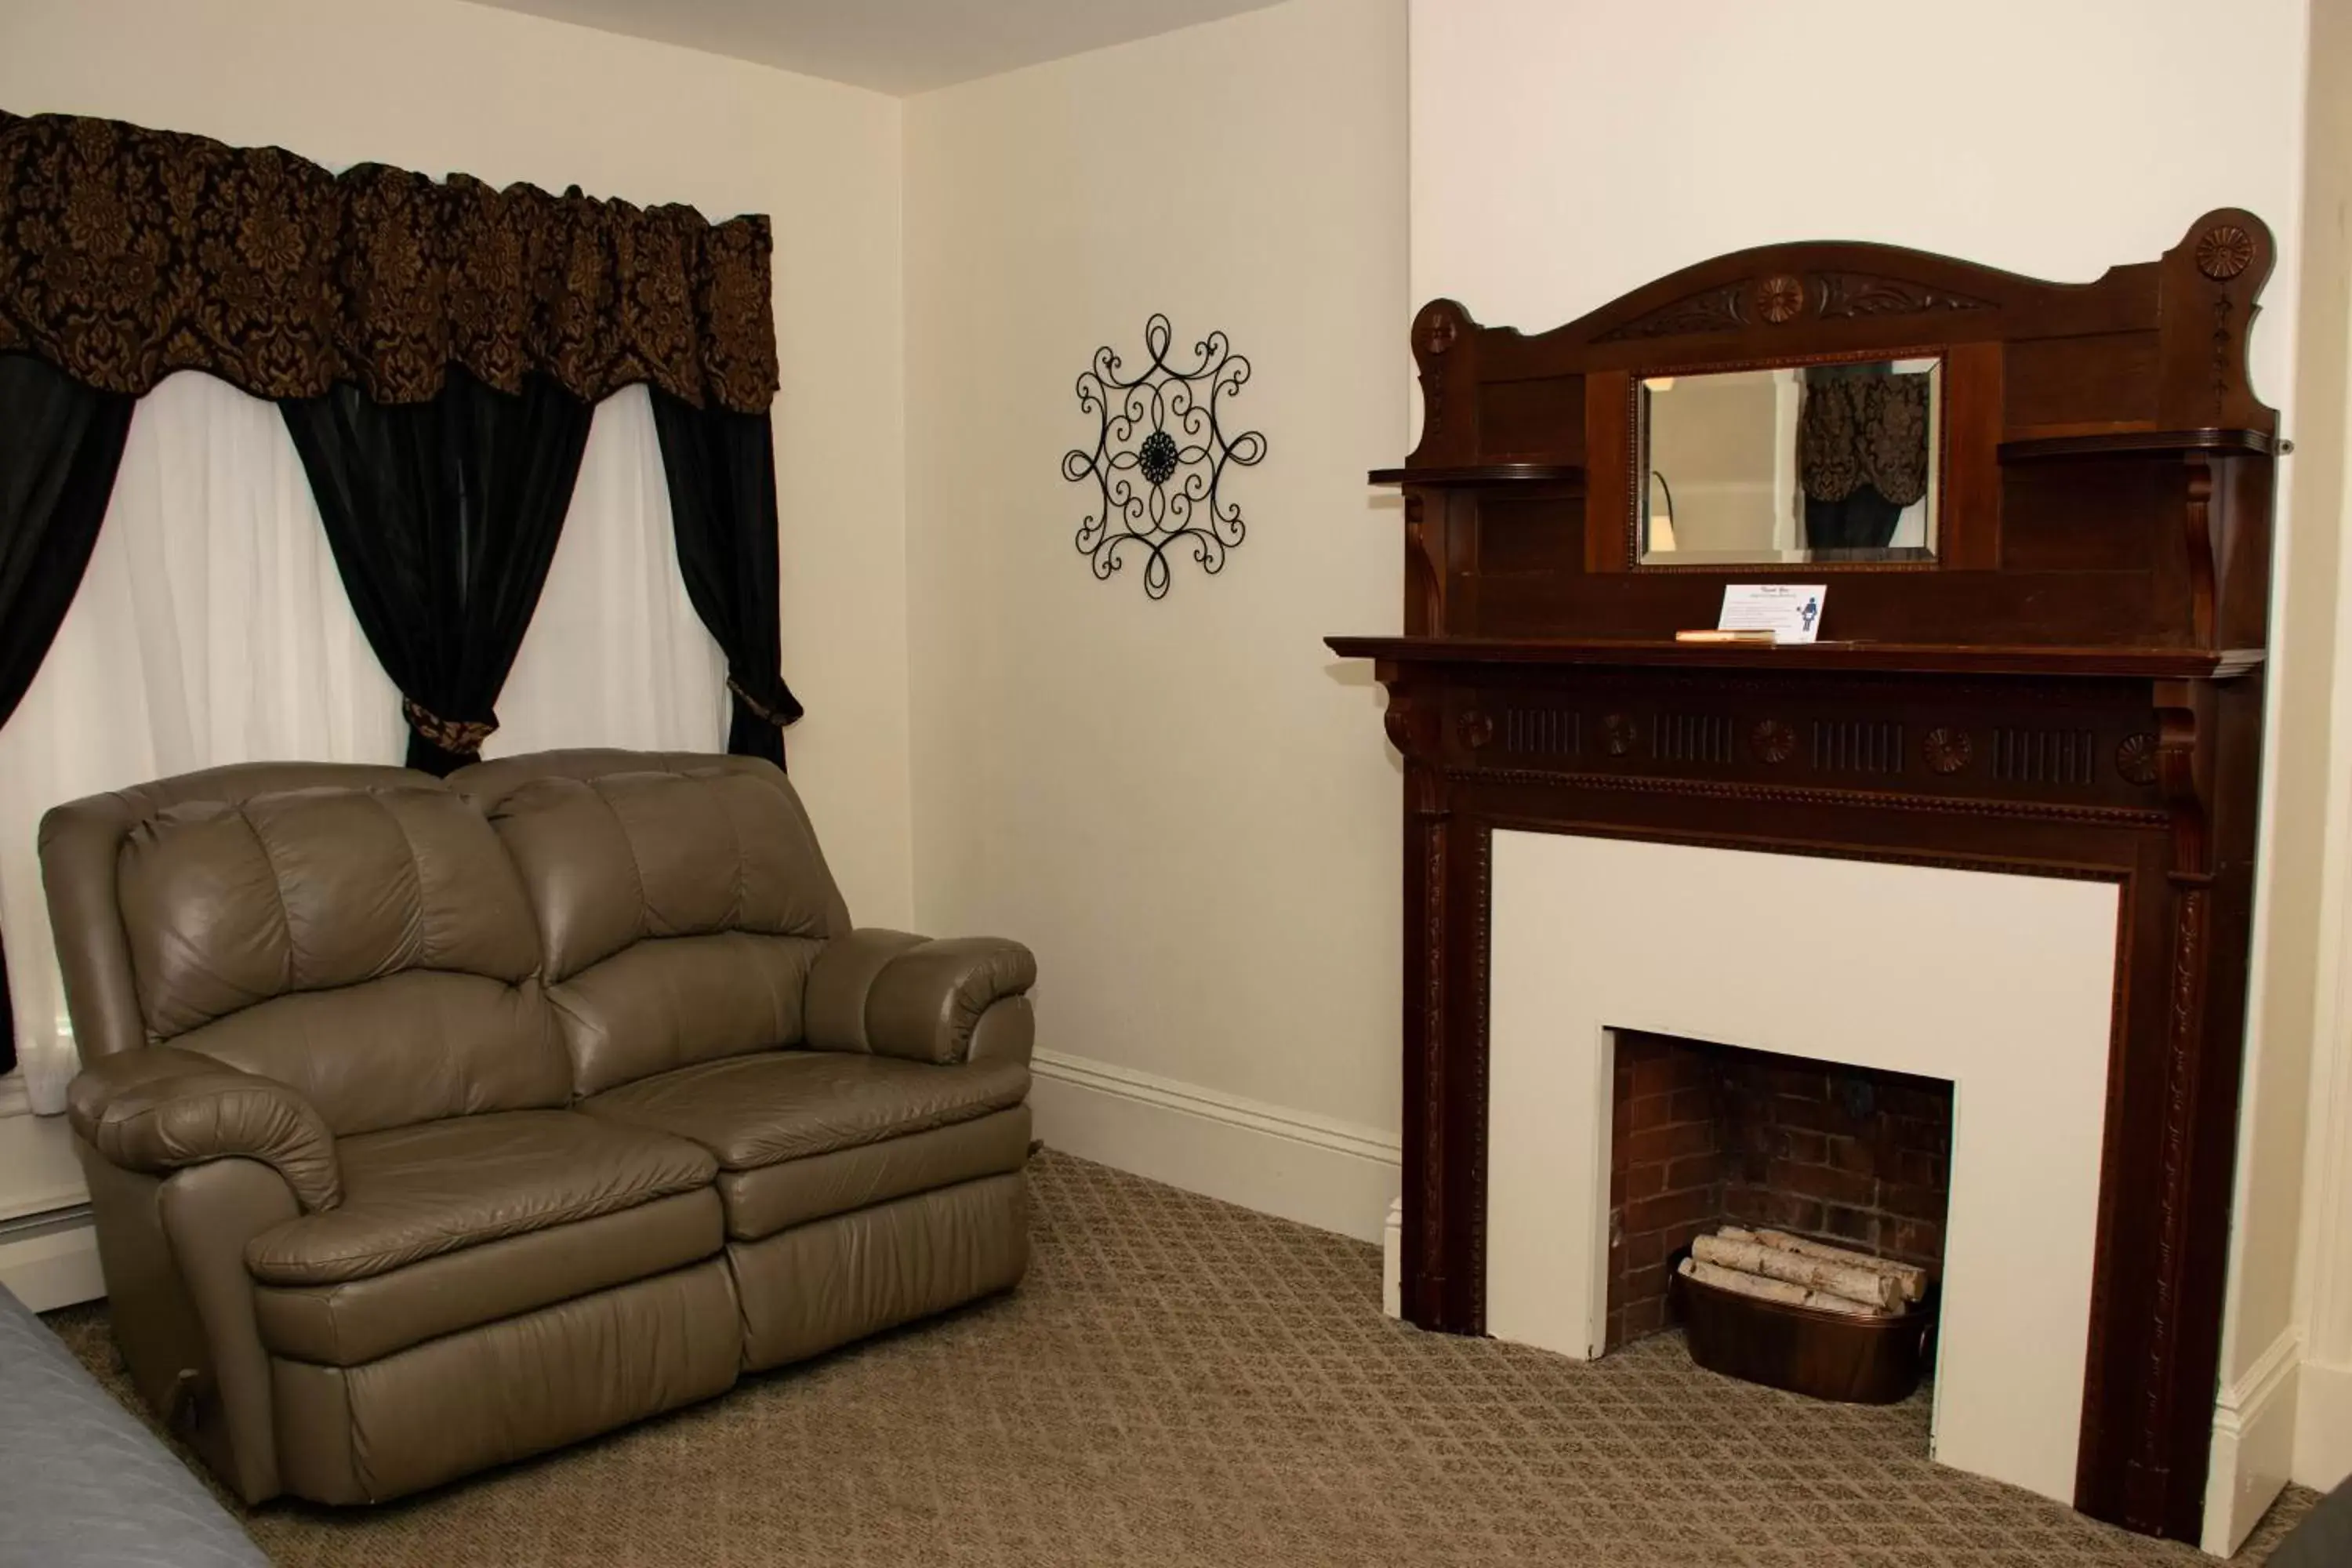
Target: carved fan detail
[[1774, 740], [2223, 251], [1946, 751], [1779, 299]]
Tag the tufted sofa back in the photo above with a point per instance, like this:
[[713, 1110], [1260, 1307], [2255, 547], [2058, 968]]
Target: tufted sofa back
[[353, 932], [680, 901]]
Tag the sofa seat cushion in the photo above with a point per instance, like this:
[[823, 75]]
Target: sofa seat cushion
[[774, 1106], [776, 1197], [355, 1321], [414, 1193]]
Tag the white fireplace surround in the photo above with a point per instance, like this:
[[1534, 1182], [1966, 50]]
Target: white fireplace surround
[[2003, 985]]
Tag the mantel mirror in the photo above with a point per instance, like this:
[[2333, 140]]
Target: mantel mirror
[[1793, 464]]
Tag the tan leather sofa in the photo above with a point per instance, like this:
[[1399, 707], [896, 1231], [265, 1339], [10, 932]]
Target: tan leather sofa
[[432, 1124]]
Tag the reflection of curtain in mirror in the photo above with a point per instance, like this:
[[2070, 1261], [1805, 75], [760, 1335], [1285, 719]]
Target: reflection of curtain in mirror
[[1861, 453]]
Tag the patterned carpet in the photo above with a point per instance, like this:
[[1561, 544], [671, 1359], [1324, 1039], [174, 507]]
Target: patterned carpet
[[1183, 1383]]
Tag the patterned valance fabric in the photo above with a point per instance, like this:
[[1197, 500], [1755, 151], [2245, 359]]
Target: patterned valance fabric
[[127, 254], [1861, 429]]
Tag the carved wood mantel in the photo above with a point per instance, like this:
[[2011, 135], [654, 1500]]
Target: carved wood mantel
[[2072, 688]]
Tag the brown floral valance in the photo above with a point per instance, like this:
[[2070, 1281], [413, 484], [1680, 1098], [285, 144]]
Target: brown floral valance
[[127, 254], [1858, 429]]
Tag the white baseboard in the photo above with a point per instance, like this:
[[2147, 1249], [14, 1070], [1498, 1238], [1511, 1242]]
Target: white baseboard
[[1392, 1261], [2323, 1426], [2253, 1444], [55, 1269], [1334, 1175]]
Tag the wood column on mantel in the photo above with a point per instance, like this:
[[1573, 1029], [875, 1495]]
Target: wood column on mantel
[[2070, 687]]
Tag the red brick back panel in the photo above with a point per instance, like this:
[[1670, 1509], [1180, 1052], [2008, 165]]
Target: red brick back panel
[[1704, 1135]]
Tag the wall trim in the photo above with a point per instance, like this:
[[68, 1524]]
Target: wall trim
[[1320, 1171], [52, 1265], [2253, 1444], [2323, 1426]]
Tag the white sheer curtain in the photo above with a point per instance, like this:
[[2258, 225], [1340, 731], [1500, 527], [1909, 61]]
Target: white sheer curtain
[[615, 655], [211, 627]]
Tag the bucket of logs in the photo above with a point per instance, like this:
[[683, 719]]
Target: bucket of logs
[[1783, 1330]]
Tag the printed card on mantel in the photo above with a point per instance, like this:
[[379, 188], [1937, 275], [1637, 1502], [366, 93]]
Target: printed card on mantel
[[1791, 612]]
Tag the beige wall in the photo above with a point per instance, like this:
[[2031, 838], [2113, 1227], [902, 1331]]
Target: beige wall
[[1186, 806], [2315, 765], [1562, 155], [438, 86]]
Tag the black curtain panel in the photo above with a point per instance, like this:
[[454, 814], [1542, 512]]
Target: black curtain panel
[[722, 466], [443, 516], [61, 443]]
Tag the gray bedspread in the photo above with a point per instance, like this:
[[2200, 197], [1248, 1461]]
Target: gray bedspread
[[82, 1482]]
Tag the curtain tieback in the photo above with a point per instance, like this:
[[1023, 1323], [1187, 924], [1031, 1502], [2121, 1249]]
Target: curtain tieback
[[759, 708], [462, 739]]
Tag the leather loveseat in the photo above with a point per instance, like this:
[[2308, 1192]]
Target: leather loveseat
[[429, 1124]]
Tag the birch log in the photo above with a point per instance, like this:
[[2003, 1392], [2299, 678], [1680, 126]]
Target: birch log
[[1909, 1277], [1780, 1291], [1876, 1291]]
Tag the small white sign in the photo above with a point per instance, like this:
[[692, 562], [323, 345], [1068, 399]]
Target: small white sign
[[1791, 612]]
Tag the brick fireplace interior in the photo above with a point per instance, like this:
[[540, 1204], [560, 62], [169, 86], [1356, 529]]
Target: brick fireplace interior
[[1705, 1135]]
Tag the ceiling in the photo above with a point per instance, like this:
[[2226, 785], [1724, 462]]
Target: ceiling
[[894, 45]]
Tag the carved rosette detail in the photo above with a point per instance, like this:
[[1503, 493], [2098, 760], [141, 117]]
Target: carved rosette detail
[[1617, 734], [1774, 740], [2223, 251], [1945, 751], [2135, 759], [1779, 299], [1476, 729], [1442, 335]]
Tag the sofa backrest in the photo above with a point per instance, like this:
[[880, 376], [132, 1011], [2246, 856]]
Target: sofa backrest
[[680, 901], [353, 932]]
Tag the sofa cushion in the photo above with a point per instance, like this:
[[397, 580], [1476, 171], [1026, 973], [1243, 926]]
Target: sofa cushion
[[756, 1111], [670, 1001], [776, 1197], [230, 904], [358, 1320], [414, 1193], [612, 860], [679, 908], [369, 947]]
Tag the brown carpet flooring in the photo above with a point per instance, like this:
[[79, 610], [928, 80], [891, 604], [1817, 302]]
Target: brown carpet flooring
[[1184, 1382]]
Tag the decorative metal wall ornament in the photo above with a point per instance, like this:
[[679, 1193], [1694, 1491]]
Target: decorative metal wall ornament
[[1162, 427]]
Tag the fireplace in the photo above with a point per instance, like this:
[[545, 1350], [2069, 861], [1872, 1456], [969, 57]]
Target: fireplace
[[1593, 940], [1997, 827], [1704, 1135]]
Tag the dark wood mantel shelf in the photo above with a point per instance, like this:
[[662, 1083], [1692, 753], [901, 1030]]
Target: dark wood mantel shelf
[[1852, 657], [2144, 444], [1483, 474]]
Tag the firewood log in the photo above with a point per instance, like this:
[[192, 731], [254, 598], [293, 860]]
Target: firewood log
[[1879, 1292], [1909, 1277], [1780, 1291]]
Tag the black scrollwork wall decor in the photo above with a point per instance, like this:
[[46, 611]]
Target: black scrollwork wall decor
[[1159, 456]]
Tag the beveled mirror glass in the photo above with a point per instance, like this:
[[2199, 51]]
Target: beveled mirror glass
[[1790, 465]]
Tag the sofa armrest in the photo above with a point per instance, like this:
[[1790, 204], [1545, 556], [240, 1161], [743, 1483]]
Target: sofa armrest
[[159, 1110], [900, 996]]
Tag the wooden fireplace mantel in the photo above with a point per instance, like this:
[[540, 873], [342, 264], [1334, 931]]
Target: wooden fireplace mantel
[[1394, 654], [2072, 688]]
